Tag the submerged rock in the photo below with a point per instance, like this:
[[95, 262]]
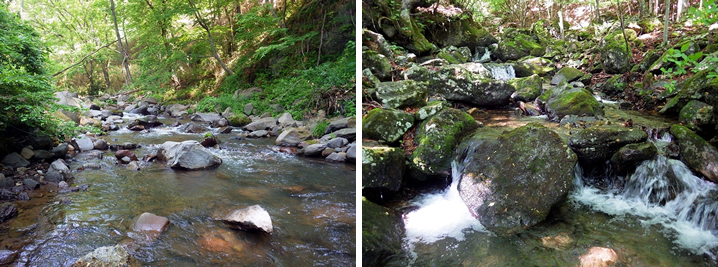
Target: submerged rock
[[148, 227], [187, 155], [108, 256], [511, 182], [381, 234], [436, 138], [697, 153], [250, 218], [58, 171]]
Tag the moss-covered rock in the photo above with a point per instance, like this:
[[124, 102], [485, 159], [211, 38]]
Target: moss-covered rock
[[698, 154], [528, 88], [470, 83], [629, 156], [436, 138], [418, 44], [511, 182], [455, 55], [698, 116], [385, 125], [239, 120], [614, 58], [519, 46], [377, 42], [430, 109], [463, 32], [533, 65], [614, 85], [648, 60], [596, 144], [566, 74], [382, 169], [698, 87], [650, 24], [377, 63], [369, 83], [565, 100], [405, 93], [381, 234]]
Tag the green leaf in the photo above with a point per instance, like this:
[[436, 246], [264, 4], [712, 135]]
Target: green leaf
[[685, 46]]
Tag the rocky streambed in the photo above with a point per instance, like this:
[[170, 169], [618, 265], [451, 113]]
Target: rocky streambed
[[494, 152], [165, 188]]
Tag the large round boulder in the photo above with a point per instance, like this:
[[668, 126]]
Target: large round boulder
[[187, 155], [614, 58], [436, 138], [386, 125], [510, 182], [596, 144], [564, 100]]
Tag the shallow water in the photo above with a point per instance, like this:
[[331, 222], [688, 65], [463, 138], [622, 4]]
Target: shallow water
[[311, 203]]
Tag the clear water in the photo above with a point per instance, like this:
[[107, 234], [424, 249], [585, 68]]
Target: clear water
[[311, 203]]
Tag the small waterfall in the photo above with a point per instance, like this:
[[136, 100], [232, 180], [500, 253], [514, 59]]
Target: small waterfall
[[503, 72], [663, 192], [482, 55]]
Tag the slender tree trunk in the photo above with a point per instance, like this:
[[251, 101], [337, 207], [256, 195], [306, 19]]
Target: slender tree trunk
[[665, 23], [271, 9], [598, 14], [321, 39], [623, 30], [655, 7], [123, 52], [209, 36], [106, 73], [560, 21], [679, 10]]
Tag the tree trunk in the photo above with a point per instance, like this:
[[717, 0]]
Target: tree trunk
[[679, 9], [321, 39], [106, 73], [560, 21], [623, 30], [642, 8], [209, 36], [665, 23], [123, 52], [598, 14], [271, 9]]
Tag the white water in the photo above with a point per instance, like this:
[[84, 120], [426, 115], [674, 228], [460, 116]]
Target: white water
[[440, 215], [503, 72], [482, 58]]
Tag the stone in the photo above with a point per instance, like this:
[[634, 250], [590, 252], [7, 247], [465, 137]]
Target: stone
[[386, 125], [352, 152], [382, 169], [27, 153], [176, 110], [187, 155], [6, 182], [348, 133], [314, 150], [285, 120], [15, 160], [120, 155], [8, 256], [148, 227], [7, 211], [291, 137], [596, 144], [337, 142], [400, 94], [533, 65], [249, 109], [564, 100], [614, 58], [378, 64], [206, 117], [30, 184], [430, 109], [192, 127], [598, 257], [250, 218], [699, 117], [84, 143], [566, 74], [629, 156], [43, 154], [39, 141], [336, 157], [60, 151], [258, 134], [614, 85], [698, 154], [454, 55], [108, 256], [382, 233], [340, 123], [527, 88], [521, 45], [381, 43], [261, 124], [697, 87], [133, 166], [436, 138], [100, 144], [495, 173], [58, 171]]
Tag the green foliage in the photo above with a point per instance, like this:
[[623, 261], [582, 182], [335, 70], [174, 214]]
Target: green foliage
[[318, 130], [683, 62], [706, 15]]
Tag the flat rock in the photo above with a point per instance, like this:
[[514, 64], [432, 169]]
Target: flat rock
[[261, 124], [15, 160], [107, 256], [84, 143], [314, 150], [150, 226], [250, 218]]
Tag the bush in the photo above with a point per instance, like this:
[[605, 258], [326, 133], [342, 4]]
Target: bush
[[318, 130]]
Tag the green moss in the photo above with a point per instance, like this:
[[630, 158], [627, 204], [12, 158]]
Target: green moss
[[386, 125], [239, 120], [436, 138]]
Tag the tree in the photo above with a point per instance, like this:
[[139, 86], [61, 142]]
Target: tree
[[202, 23], [123, 49]]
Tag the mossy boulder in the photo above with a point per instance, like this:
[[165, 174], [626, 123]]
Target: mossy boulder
[[377, 42], [436, 138], [405, 93], [564, 100], [614, 58], [378, 64], [463, 32], [533, 65], [455, 55], [698, 154], [519, 46], [469, 83], [510, 182], [418, 42], [386, 125], [566, 74], [650, 24], [648, 59], [698, 117], [369, 83], [382, 169], [430, 109], [527, 88], [698, 87], [614, 85], [239, 120], [629, 156], [381, 234], [596, 144]]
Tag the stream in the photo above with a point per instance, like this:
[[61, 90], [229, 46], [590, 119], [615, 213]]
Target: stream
[[311, 203], [662, 215]]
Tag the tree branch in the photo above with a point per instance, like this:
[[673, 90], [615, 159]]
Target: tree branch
[[83, 59]]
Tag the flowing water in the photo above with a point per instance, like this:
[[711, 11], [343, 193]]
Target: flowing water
[[311, 203], [659, 215]]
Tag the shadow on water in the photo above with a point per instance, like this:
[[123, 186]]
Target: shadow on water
[[311, 203]]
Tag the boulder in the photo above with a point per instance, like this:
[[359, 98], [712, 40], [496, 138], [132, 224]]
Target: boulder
[[285, 120], [698, 87], [187, 155], [258, 134], [336, 157], [15, 160], [340, 123], [631, 155], [400, 94], [614, 85], [386, 125], [348, 133], [596, 144], [58, 171], [699, 117], [209, 140], [206, 117], [698, 154], [176, 110], [495, 173], [250, 218], [83, 142], [337, 142], [291, 137], [248, 109], [314, 150], [566, 74], [378, 41], [43, 154], [430, 109], [30, 184], [60, 150], [125, 156], [108, 256], [471, 83], [614, 58], [261, 124], [7, 211], [100, 144], [527, 88], [382, 169], [454, 55], [564, 100], [352, 152], [149, 121], [148, 227], [378, 64], [521, 45], [192, 127], [381, 234], [436, 138]]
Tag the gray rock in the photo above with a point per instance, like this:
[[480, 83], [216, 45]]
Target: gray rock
[[336, 157], [6, 182], [314, 150], [84, 143], [382, 168], [339, 124], [386, 125], [100, 144], [566, 74], [176, 110], [43, 154], [58, 171], [261, 124], [31, 184], [258, 134], [436, 139], [698, 154], [108, 256], [192, 127], [594, 145], [337, 142], [61, 150], [206, 117], [148, 227], [249, 109], [292, 137], [250, 218], [7, 256], [352, 152], [187, 155], [15, 160], [382, 234], [400, 94], [285, 120], [348, 133], [7, 211]]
